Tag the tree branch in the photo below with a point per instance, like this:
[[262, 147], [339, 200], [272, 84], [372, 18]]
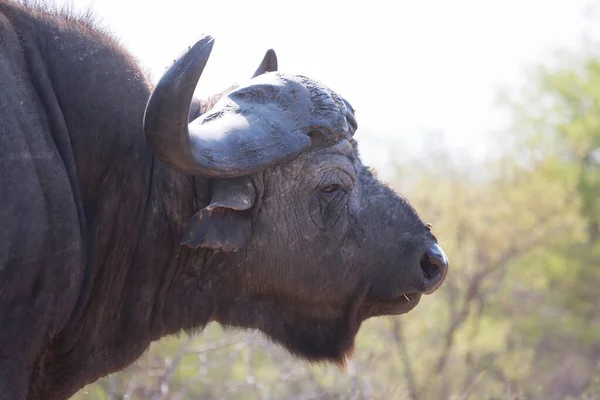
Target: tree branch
[[398, 336]]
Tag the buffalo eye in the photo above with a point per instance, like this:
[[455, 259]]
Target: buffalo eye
[[331, 188], [329, 199]]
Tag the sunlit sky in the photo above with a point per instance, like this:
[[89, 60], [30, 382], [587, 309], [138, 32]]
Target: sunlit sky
[[406, 66]]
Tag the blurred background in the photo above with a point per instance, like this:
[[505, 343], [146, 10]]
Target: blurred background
[[486, 115]]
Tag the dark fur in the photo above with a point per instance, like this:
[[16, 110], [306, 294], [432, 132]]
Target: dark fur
[[91, 269]]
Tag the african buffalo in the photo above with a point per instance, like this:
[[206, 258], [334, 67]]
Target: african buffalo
[[130, 212]]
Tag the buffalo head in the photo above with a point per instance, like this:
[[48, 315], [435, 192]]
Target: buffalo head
[[302, 241]]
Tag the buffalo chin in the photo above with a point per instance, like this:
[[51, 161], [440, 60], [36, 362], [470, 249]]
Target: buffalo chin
[[315, 340], [310, 337], [395, 306]]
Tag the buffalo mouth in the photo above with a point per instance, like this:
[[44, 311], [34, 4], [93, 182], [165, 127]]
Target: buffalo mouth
[[397, 305]]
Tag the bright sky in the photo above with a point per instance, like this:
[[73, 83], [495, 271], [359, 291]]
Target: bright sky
[[406, 66]]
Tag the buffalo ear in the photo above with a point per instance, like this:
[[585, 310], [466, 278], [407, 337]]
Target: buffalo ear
[[225, 224]]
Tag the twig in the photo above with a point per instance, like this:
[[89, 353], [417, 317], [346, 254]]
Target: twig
[[168, 374], [398, 336]]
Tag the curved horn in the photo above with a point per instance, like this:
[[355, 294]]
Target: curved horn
[[167, 110], [269, 121], [268, 64]]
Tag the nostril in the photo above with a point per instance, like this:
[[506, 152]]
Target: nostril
[[434, 265], [430, 267]]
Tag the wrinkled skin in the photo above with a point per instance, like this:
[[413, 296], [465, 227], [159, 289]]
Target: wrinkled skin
[[105, 248], [329, 262]]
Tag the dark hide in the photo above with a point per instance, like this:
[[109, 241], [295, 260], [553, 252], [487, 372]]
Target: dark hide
[[104, 248]]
